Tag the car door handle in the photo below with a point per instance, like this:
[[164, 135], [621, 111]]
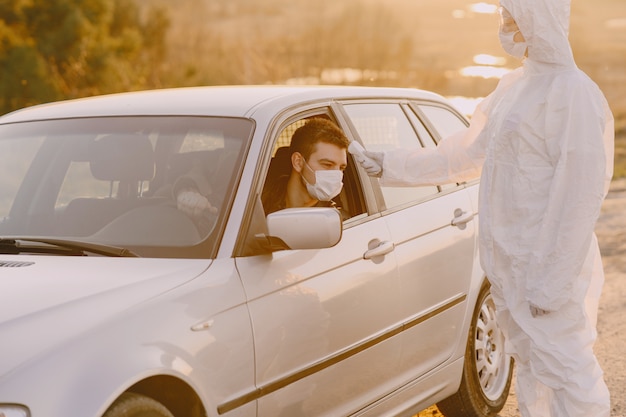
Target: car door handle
[[378, 248], [461, 218]]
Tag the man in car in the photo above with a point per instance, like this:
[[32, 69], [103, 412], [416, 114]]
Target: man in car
[[318, 155]]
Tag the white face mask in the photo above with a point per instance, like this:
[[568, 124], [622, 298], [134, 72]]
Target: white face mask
[[515, 49], [328, 183]]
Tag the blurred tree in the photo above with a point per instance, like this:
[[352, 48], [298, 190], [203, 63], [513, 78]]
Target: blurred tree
[[74, 48], [24, 79], [276, 42], [367, 37], [251, 42]]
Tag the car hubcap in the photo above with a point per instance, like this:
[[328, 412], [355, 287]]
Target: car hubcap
[[492, 364]]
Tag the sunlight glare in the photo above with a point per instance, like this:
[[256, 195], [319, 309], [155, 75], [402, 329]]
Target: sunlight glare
[[486, 59], [344, 76], [618, 23], [458, 14], [484, 71], [483, 7]]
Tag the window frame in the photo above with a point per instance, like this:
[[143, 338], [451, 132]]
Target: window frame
[[377, 189]]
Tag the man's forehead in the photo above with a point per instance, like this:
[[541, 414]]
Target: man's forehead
[[326, 146]]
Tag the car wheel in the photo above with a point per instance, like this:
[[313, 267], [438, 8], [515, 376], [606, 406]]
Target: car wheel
[[487, 371], [134, 405]]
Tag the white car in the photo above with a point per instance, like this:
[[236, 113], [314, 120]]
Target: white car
[[115, 303]]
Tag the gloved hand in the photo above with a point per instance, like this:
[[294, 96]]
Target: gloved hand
[[194, 204], [373, 164], [538, 312]]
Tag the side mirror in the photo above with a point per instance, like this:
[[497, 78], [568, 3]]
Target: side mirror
[[304, 228]]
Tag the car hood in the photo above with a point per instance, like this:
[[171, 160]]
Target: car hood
[[47, 299]]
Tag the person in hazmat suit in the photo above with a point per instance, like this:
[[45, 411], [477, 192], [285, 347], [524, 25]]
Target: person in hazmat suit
[[542, 143]]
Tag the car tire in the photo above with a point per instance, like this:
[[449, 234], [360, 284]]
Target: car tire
[[135, 405], [487, 370]]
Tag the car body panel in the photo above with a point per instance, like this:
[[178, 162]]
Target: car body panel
[[329, 301], [97, 287], [430, 281], [198, 331]]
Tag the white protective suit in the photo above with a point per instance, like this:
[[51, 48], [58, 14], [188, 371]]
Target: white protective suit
[[542, 143]]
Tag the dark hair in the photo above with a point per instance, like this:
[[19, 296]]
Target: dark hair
[[317, 130]]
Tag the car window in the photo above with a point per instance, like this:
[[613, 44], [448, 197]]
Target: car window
[[426, 138], [116, 181], [443, 120], [424, 135], [385, 126], [350, 201], [16, 154]]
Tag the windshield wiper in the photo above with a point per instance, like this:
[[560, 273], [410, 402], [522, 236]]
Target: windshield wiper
[[60, 247]]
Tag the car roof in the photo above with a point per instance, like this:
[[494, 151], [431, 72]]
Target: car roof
[[229, 101]]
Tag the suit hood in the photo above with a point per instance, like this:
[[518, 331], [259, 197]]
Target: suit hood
[[545, 26]]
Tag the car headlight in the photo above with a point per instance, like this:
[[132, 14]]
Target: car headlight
[[13, 410]]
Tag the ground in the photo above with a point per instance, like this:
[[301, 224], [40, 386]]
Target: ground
[[611, 232]]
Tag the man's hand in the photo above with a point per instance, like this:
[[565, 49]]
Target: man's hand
[[538, 312]]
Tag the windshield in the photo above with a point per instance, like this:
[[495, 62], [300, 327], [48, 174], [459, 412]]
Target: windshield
[[159, 186]]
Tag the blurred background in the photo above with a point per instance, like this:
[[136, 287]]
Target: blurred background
[[61, 49]]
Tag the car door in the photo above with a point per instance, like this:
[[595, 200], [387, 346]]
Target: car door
[[324, 320], [434, 236]]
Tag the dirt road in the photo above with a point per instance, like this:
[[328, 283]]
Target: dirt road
[[611, 345]]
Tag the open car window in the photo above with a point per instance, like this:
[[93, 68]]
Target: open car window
[[350, 201]]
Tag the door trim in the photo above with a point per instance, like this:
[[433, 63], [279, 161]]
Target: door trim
[[273, 386]]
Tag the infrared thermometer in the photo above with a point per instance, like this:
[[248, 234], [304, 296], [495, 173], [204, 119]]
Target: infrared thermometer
[[358, 151]]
